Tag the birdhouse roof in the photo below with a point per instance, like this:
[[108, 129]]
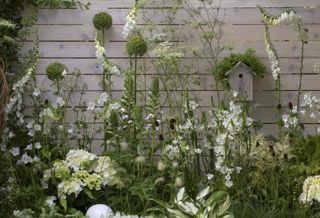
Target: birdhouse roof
[[240, 64]]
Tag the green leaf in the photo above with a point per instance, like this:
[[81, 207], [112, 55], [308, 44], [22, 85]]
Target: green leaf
[[203, 193], [224, 207], [180, 194], [214, 198], [177, 213], [89, 193], [64, 204]]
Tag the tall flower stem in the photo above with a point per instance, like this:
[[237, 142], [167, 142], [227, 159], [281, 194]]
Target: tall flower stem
[[104, 87], [135, 78], [300, 74]]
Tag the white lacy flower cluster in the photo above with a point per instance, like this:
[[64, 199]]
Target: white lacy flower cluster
[[15, 102], [103, 63], [310, 190], [131, 25], [81, 169], [165, 51]]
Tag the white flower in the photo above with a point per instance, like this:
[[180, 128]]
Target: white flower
[[90, 106], [11, 134], [50, 201], [131, 25], [115, 70], [229, 183], [103, 98], [238, 169], [29, 147], [198, 151], [294, 109], [36, 92], [60, 102], [26, 159], [64, 73], [3, 147], [15, 151], [311, 190], [37, 145], [209, 176], [78, 158], [37, 127]]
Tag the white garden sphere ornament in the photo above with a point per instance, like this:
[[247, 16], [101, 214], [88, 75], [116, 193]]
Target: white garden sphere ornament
[[99, 211]]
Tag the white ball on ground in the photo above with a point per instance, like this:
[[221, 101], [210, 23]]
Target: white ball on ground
[[99, 211]]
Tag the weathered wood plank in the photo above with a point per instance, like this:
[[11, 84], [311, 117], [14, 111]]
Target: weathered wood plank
[[103, 4], [229, 16], [206, 82], [203, 98], [117, 49], [233, 33], [89, 66]]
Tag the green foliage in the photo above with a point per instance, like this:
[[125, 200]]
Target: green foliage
[[102, 21], [8, 44], [206, 204], [11, 10], [248, 58], [136, 45], [55, 71]]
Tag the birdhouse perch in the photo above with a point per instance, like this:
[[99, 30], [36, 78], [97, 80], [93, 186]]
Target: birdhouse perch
[[241, 80]]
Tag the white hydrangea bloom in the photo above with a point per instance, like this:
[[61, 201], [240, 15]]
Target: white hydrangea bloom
[[77, 158], [310, 190], [68, 187]]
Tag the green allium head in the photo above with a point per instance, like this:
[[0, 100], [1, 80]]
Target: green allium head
[[102, 21], [136, 45], [55, 71]]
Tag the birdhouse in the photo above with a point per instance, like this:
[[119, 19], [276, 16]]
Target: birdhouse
[[241, 80]]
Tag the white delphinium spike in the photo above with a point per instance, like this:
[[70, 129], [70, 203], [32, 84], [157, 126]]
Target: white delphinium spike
[[131, 25]]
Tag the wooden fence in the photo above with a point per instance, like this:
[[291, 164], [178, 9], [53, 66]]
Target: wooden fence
[[67, 35]]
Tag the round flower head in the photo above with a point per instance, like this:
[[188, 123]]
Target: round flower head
[[55, 71], [136, 46], [102, 21]]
